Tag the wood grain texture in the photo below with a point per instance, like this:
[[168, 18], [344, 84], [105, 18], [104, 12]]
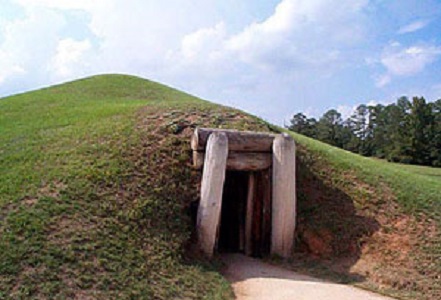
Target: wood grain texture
[[249, 216], [213, 179], [284, 196], [239, 161], [238, 141], [266, 212]]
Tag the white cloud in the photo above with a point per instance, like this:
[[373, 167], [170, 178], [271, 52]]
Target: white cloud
[[283, 55], [406, 61], [69, 56], [374, 103], [409, 61], [136, 35], [346, 110], [129, 36], [383, 80], [28, 44], [9, 69], [412, 27], [297, 32], [192, 48], [59, 4], [298, 36], [203, 42], [292, 56]]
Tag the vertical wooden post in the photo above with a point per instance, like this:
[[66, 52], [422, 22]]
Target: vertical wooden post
[[266, 212], [213, 179], [257, 214], [242, 220], [249, 216], [284, 196]]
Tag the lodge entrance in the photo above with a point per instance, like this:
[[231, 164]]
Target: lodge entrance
[[245, 224], [248, 196], [233, 215]]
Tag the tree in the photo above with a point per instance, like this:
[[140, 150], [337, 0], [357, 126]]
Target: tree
[[397, 141], [405, 131], [347, 137], [359, 122], [329, 128], [435, 133], [377, 128], [303, 125], [420, 126]]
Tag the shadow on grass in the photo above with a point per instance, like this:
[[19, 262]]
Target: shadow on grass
[[330, 233]]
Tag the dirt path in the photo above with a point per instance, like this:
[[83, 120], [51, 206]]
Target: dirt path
[[256, 280]]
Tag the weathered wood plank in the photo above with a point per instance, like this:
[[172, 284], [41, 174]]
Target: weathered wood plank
[[213, 179], [249, 216], [257, 215], [266, 221], [239, 141], [239, 161], [241, 211], [284, 196]]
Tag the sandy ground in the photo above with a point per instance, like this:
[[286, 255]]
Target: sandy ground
[[254, 279]]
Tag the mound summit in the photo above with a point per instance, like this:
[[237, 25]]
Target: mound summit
[[97, 189]]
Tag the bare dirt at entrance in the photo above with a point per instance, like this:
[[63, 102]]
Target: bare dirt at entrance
[[257, 280]]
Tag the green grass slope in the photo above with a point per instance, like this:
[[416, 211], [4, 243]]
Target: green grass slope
[[369, 222], [96, 184], [80, 216]]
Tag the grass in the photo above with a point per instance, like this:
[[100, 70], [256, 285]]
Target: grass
[[379, 221], [417, 188], [96, 185], [433, 173], [75, 221], [62, 131]]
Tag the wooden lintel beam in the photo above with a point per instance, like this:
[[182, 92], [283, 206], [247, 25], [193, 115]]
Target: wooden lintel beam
[[238, 141], [239, 161]]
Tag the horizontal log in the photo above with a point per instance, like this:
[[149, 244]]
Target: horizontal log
[[239, 161], [239, 141]]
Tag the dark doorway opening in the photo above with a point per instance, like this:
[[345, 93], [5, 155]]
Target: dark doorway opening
[[246, 199], [233, 214]]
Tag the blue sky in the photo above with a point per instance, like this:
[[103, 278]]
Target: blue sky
[[272, 58]]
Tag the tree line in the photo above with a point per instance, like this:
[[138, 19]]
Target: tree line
[[408, 131]]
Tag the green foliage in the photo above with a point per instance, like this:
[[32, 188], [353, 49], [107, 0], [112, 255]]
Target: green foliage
[[96, 184], [406, 131], [303, 125]]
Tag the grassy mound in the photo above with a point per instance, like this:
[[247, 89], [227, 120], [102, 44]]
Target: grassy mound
[[368, 222], [96, 185]]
